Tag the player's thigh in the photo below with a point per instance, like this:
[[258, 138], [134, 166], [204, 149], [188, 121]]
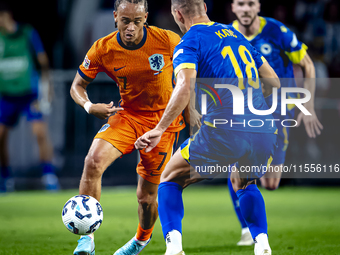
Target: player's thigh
[[178, 170], [100, 156], [120, 132], [152, 164], [273, 172]]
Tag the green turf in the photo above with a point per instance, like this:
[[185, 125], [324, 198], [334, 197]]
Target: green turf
[[301, 221]]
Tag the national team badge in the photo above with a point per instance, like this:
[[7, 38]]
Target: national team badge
[[156, 62], [86, 62], [104, 128], [266, 49]]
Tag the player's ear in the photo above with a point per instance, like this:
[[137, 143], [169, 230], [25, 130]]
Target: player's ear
[[146, 18], [205, 7], [115, 16], [179, 16]]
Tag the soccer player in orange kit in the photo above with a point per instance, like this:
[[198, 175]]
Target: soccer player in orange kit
[[139, 59]]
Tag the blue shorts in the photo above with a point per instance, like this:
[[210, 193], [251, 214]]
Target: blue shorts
[[219, 148], [11, 108], [282, 138]]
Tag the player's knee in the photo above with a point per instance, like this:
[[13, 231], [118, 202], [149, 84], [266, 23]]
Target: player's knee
[[93, 166], [41, 137], [145, 199], [270, 184], [236, 186], [271, 187]]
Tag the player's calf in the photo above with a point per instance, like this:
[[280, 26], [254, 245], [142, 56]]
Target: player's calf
[[147, 208], [253, 211]]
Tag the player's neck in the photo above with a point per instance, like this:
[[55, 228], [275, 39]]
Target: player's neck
[[135, 43], [252, 29], [10, 27], [197, 19]]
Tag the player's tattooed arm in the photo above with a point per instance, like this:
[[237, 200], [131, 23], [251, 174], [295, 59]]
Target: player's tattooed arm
[[269, 79], [311, 122], [79, 95]]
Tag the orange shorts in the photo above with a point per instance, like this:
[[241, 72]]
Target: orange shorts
[[122, 132]]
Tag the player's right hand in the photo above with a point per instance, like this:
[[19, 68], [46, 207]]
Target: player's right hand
[[103, 111], [149, 140]]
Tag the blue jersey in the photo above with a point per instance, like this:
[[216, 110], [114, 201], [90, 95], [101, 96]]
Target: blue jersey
[[221, 53], [278, 45], [281, 48]]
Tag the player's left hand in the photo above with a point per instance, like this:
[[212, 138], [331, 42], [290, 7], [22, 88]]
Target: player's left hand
[[311, 122], [193, 118], [149, 140]]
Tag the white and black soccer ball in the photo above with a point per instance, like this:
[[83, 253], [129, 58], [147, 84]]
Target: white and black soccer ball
[[82, 215]]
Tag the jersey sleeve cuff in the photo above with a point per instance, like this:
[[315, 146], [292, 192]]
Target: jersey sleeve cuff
[[297, 56], [184, 66], [86, 78]]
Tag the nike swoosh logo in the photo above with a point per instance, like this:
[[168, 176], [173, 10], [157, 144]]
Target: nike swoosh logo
[[117, 69]]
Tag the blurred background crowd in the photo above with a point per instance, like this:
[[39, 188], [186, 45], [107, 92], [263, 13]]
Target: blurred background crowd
[[68, 28]]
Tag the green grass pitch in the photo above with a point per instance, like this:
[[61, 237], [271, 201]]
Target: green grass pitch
[[301, 221]]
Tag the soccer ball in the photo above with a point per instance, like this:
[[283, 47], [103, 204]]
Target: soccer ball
[[82, 215]]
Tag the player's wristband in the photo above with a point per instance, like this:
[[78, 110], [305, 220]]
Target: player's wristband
[[87, 106]]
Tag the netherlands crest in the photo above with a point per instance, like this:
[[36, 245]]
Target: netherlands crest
[[156, 62]]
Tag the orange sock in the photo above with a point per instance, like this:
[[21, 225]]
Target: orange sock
[[143, 234]]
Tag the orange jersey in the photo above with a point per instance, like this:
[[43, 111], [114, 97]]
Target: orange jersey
[[144, 73]]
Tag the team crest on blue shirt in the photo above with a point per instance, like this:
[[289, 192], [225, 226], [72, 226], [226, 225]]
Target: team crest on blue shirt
[[266, 49], [156, 62]]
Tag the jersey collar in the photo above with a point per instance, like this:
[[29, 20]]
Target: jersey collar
[[205, 23], [138, 46], [263, 23]]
